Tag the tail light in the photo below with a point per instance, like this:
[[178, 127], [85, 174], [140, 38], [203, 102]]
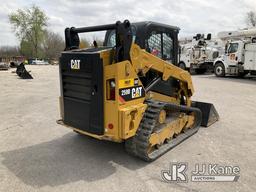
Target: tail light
[[111, 89], [110, 126]]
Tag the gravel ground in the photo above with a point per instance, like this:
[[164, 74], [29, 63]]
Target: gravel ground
[[36, 154]]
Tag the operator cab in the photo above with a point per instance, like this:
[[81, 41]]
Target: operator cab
[[158, 39]]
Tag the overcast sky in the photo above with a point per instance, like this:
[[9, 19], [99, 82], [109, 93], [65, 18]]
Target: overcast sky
[[192, 16]]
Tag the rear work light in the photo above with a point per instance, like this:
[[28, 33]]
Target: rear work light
[[111, 89]]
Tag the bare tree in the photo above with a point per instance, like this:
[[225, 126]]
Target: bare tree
[[251, 19], [53, 45], [9, 51], [84, 43]]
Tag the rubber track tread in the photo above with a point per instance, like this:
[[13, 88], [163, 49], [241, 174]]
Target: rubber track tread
[[138, 145]]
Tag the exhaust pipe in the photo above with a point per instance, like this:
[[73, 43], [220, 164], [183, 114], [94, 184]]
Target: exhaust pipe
[[209, 113]]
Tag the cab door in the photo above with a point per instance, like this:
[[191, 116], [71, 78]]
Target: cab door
[[231, 56], [161, 44]]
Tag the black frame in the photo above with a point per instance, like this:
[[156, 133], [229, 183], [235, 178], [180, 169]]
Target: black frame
[[82, 109], [123, 37]]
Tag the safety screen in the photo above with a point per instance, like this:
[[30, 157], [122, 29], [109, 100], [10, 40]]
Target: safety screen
[[161, 45]]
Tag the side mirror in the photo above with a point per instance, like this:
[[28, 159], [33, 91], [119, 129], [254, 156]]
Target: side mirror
[[226, 48], [197, 37], [209, 36]]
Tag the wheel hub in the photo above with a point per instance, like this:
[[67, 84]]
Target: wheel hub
[[219, 70]]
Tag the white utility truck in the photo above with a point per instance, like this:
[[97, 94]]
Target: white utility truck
[[198, 54], [240, 54]]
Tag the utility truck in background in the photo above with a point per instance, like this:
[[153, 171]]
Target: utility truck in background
[[239, 58], [198, 54]]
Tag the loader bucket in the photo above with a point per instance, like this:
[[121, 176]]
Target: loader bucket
[[22, 72], [209, 113]]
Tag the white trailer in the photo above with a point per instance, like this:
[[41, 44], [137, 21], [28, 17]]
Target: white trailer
[[240, 54]]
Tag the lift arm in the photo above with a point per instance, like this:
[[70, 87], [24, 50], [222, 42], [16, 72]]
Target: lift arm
[[143, 61]]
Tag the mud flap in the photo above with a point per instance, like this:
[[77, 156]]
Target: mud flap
[[209, 113], [22, 72]]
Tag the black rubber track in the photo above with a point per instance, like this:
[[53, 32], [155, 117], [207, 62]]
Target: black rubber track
[[138, 145]]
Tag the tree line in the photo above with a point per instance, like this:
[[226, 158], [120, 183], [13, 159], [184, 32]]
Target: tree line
[[35, 39]]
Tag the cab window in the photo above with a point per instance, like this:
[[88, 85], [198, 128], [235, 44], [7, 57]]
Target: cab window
[[161, 45], [111, 41], [154, 44], [233, 47], [167, 47]]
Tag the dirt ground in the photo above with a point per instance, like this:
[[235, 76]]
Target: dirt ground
[[36, 154]]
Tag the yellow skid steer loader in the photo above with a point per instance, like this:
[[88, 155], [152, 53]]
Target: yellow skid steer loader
[[130, 89]]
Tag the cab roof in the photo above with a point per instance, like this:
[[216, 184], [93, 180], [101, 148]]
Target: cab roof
[[144, 24]]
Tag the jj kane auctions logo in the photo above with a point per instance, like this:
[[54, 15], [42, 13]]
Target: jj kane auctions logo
[[201, 173]]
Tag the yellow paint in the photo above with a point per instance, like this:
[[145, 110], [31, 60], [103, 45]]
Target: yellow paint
[[124, 83], [126, 116], [161, 97], [174, 127]]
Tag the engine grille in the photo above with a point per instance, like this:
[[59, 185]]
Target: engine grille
[[82, 91]]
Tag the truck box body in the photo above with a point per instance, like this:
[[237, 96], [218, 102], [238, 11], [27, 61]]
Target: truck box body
[[250, 56]]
